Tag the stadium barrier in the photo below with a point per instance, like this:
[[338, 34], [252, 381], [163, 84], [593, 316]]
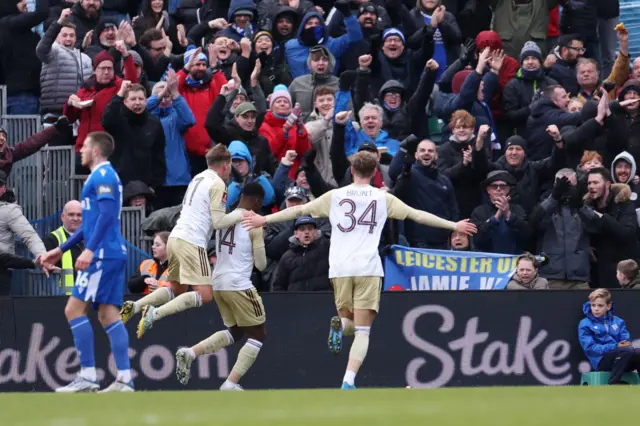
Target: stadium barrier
[[420, 339]]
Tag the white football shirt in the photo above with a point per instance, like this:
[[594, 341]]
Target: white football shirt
[[234, 259], [207, 192]]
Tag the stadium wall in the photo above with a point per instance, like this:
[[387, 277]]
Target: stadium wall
[[422, 339]]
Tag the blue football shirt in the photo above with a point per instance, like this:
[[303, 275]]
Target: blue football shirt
[[103, 183]]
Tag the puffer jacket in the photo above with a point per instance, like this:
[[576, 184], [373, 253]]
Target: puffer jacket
[[304, 268], [240, 149], [302, 88], [297, 139], [517, 96], [597, 336], [320, 133], [13, 224], [64, 71], [537, 283]]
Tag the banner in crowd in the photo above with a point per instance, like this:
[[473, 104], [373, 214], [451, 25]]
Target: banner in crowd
[[422, 339], [415, 269]]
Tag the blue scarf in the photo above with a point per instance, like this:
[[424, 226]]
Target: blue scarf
[[439, 52], [193, 83]]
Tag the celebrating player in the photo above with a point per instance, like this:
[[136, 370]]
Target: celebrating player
[[357, 213], [101, 265], [203, 209], [237, 299]]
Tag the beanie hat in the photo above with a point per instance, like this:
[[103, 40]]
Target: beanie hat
[[137, 59], [393, 32], [247, 12], [530, 48], [103, 24], [244, 108], [516, 141], [280, 91], [262, 33], [101, 57], [458, 80], [367, 7], [190, 51]]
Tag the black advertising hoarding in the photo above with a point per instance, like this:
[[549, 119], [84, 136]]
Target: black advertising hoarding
[[427, 339]]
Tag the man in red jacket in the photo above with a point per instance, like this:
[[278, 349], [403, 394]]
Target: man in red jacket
[[89, 103], [199, 87]]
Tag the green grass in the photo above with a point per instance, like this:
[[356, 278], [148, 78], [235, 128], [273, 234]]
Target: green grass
[[539, 406]]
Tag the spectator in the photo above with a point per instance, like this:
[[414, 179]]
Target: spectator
[[13, 224], [588, 79], [562, 63], [319, 124], [304, 266], [9, 155], [154, 15], [608, 18], [8, 262], [156, 55], [199, 88], [89, 104], [283, 128], [71, 218], [313, 31], [460, 242], [626, 113], [243, 128], [86, 16], [519, 92], [526, 276], [285, 24], [321, 63], [139, 137], [106, 35], [605, 339], [502, 225], [176, 117], [64, 68], [519, 22], [550, 109], [614, 236], [153, 273], [581, 18], [204, 33], [19, 63], [423, 187], [281, 181], [561, 222], [137, 194], [243, 164], [627, 274], [272, 9], [529, 175], [369, 130], [623, 170], [454, 160], [242, 17]]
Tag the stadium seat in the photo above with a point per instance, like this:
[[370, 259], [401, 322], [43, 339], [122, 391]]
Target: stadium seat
[[601, 378]]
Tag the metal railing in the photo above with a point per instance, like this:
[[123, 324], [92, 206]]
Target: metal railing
[[56, 184]]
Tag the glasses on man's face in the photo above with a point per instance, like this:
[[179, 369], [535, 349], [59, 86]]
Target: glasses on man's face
[[158, 49], [499, 186], [578, 49], [104, 69]]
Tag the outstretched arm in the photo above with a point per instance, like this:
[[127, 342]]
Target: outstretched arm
[[316, 208]]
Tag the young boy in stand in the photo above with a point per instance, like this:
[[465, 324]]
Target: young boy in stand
[[605, 339]]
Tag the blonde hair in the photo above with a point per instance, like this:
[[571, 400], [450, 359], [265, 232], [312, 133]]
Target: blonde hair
[[364, 163], [600, 293]]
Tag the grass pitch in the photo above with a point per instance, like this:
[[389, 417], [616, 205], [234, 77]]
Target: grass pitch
[[539, 406]]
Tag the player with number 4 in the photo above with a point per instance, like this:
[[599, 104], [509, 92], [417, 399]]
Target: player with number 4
[[357, 214], [100, 268], [203, 210]]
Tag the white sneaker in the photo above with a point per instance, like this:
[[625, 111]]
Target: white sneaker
[[119, 386], [79, 384], [183, 365], [228, 386]]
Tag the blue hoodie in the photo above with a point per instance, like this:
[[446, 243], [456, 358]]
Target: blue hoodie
[[599, 336], [297, 53], [235, 5], [238, 149], [176, 120]]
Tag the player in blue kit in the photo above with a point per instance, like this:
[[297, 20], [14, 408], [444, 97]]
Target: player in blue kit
[[101, 267]]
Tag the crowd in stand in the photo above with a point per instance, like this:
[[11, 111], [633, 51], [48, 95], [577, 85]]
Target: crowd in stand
[[519, 114]]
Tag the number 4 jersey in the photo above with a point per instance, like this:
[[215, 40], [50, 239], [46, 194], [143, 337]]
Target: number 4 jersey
[[358, 214]]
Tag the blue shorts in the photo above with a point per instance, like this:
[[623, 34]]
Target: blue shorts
[[102, 283]]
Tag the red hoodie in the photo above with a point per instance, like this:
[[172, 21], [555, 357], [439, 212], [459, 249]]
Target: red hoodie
[[271, 129], [90, 118], [510, 66]]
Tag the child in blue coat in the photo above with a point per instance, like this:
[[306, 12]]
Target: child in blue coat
[[605, 339]]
